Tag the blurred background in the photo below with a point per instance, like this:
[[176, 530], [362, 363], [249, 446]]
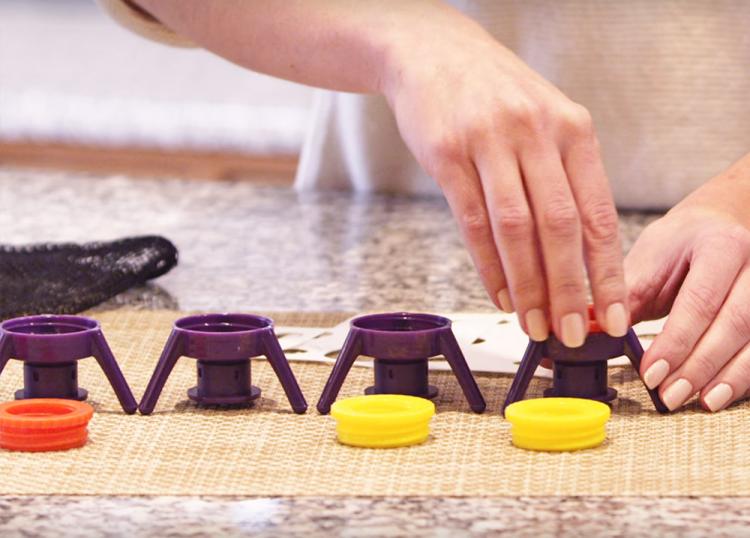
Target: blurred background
[[78, 92]]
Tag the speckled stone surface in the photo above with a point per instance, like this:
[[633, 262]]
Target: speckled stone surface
[[249, 247], [531, 517]]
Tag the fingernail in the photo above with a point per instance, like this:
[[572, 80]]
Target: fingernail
[[573, 332], [656, 373], [536, 323], [718, 397], [503, 297], [617, 320], [677, 393]]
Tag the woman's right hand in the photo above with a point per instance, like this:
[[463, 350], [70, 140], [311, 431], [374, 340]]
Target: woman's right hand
[[517, 160], [520, 166]]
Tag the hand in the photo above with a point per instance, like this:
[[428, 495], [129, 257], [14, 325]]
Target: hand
[[517, 160], [519, 164], [694, 264]]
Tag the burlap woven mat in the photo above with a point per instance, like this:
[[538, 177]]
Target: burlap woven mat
[[268, 450]]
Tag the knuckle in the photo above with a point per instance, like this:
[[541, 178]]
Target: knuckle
[[735, 240], [480, 131], [560, 219], [742, 372], [610, 281], [474, 222], [680, 343], [530, 115], [702, 301], [640, 292], [515, 222], [739, 318], [488, 271], [567, 286], [738, 239], [444, 153], [601, 223], [577, 121], [529, 290], [705, 367]]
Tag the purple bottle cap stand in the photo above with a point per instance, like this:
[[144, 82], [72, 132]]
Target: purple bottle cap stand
[[401, 344], [50, 347], [223, 345], [580, 372]]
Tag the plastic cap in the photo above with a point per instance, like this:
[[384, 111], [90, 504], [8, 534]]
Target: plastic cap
[[594, 326], [383, 420], [557, 424], [44, 424]]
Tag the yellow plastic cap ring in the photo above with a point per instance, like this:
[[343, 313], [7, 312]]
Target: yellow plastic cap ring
[[558, 424], [383, 420]]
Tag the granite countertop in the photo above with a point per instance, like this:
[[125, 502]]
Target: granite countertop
[[250, 247]]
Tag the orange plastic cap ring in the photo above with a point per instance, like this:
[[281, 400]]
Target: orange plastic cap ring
[[41, 425]]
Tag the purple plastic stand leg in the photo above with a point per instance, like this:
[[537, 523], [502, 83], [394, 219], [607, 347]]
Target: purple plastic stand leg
[[529, 363], [579, 372], [452, 352], [50, 347], [103, 355], [634, 352], [348, 354], [401, 345], [6, 350], [275, 356], [223, 345]]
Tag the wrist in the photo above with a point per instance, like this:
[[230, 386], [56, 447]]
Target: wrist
[[727, 193], [411, 43]]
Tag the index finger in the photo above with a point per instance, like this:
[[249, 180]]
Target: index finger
[[697, 303], [600, 223], [463, 191]]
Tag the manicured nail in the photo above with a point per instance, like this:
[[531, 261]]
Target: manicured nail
[[718, 397], [656, 373], [573, 332], [617, 320], [503, 297], [677, 393], [536, 323]]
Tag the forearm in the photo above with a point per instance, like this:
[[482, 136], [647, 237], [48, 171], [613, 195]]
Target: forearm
[[517, 160], [335, 44]]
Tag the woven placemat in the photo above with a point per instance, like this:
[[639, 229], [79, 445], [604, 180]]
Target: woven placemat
[[268, 450]]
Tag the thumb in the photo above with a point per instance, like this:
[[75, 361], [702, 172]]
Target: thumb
[[646, 277]]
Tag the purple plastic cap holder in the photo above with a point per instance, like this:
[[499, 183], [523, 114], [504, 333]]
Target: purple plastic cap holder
[[401, 344], [50, 348], [223, 345], [580, 372]]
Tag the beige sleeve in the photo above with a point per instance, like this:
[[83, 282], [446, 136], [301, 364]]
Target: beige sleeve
[[142, 23]]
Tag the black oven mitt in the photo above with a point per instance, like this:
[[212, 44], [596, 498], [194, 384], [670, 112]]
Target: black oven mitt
[[68, 278]]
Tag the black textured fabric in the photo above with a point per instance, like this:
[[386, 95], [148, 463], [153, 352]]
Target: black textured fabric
[[68, 278]]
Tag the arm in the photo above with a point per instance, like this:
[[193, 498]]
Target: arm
[[334, 44], [518, 161]]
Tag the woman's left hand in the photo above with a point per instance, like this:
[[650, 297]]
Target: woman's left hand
[[694, 264]]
